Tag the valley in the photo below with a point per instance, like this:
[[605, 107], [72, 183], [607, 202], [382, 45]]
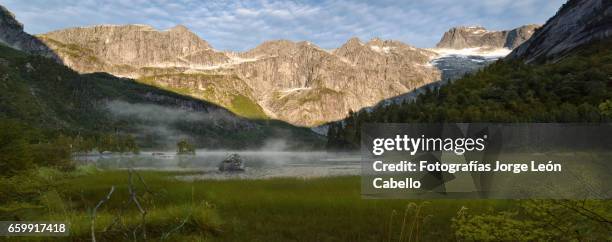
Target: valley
[[127, 132]]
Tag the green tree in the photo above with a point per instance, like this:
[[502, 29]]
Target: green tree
[[606, 108], [15, 153], [185, 148]]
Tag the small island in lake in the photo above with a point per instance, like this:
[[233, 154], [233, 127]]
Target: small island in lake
[[232, 163], [183, 147]]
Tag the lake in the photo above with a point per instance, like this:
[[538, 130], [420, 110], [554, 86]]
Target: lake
[[258, 164]]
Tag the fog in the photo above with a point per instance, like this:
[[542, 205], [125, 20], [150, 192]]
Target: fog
[[166, 115], [259, 164], [161, 127], [273, 159], [151, 120]]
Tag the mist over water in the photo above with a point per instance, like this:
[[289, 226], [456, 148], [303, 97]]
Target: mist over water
[[259, 164]]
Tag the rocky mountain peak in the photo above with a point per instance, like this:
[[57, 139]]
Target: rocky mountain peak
[[180, 28], [375, 41], [111, 48], [308, 44], [8, 19], [578, 22], [479, 37], [12, 34], [306, 85], [353, 41], [472, 30], [272, 48]]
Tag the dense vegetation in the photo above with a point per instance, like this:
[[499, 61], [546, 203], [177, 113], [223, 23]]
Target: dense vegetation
[[23, 147], [576, 89]]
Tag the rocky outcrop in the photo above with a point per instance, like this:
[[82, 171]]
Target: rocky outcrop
[[307, 85], [12, 35], [123, 50], [297, 82], [577, 23], [479, 37]]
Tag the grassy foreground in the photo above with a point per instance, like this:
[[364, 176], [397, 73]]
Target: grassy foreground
[[323, 209]]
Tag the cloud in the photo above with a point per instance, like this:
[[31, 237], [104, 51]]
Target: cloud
[[243, 24], [247, 12], [153, 113]]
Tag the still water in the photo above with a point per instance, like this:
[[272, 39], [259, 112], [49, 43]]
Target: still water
[[258, 164]]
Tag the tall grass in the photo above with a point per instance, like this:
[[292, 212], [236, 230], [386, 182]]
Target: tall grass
[[284, 209]]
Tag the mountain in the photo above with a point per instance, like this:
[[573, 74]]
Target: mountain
[[45, 95], [297, 82], [479, 37], [577, 23], [306, 85], [129, 49], [12, 35], [574, 87]]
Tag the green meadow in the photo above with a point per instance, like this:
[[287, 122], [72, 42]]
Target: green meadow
[[322, 209]]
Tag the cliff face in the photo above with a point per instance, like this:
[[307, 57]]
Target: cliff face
[[577, 23], [308, 85], [296, 82], [123, 50], [473, 37], [12, 34]]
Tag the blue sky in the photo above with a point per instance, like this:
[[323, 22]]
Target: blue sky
[[241, 25]]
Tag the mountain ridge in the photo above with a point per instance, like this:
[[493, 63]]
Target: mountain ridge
[[294, 81], [291, 81], [560, 75], [575, 24], [12, 35], [462, 37]]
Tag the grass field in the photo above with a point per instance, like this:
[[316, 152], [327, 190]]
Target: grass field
[[323, 209]]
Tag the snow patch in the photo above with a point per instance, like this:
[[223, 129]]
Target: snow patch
[[484, 52], [426, 65], [479, 31], [382, 50]]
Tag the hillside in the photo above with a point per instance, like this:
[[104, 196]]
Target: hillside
[[49, 96], [577, 23]]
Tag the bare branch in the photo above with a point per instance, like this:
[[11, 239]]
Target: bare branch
[[134, 198], [95, 210]]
